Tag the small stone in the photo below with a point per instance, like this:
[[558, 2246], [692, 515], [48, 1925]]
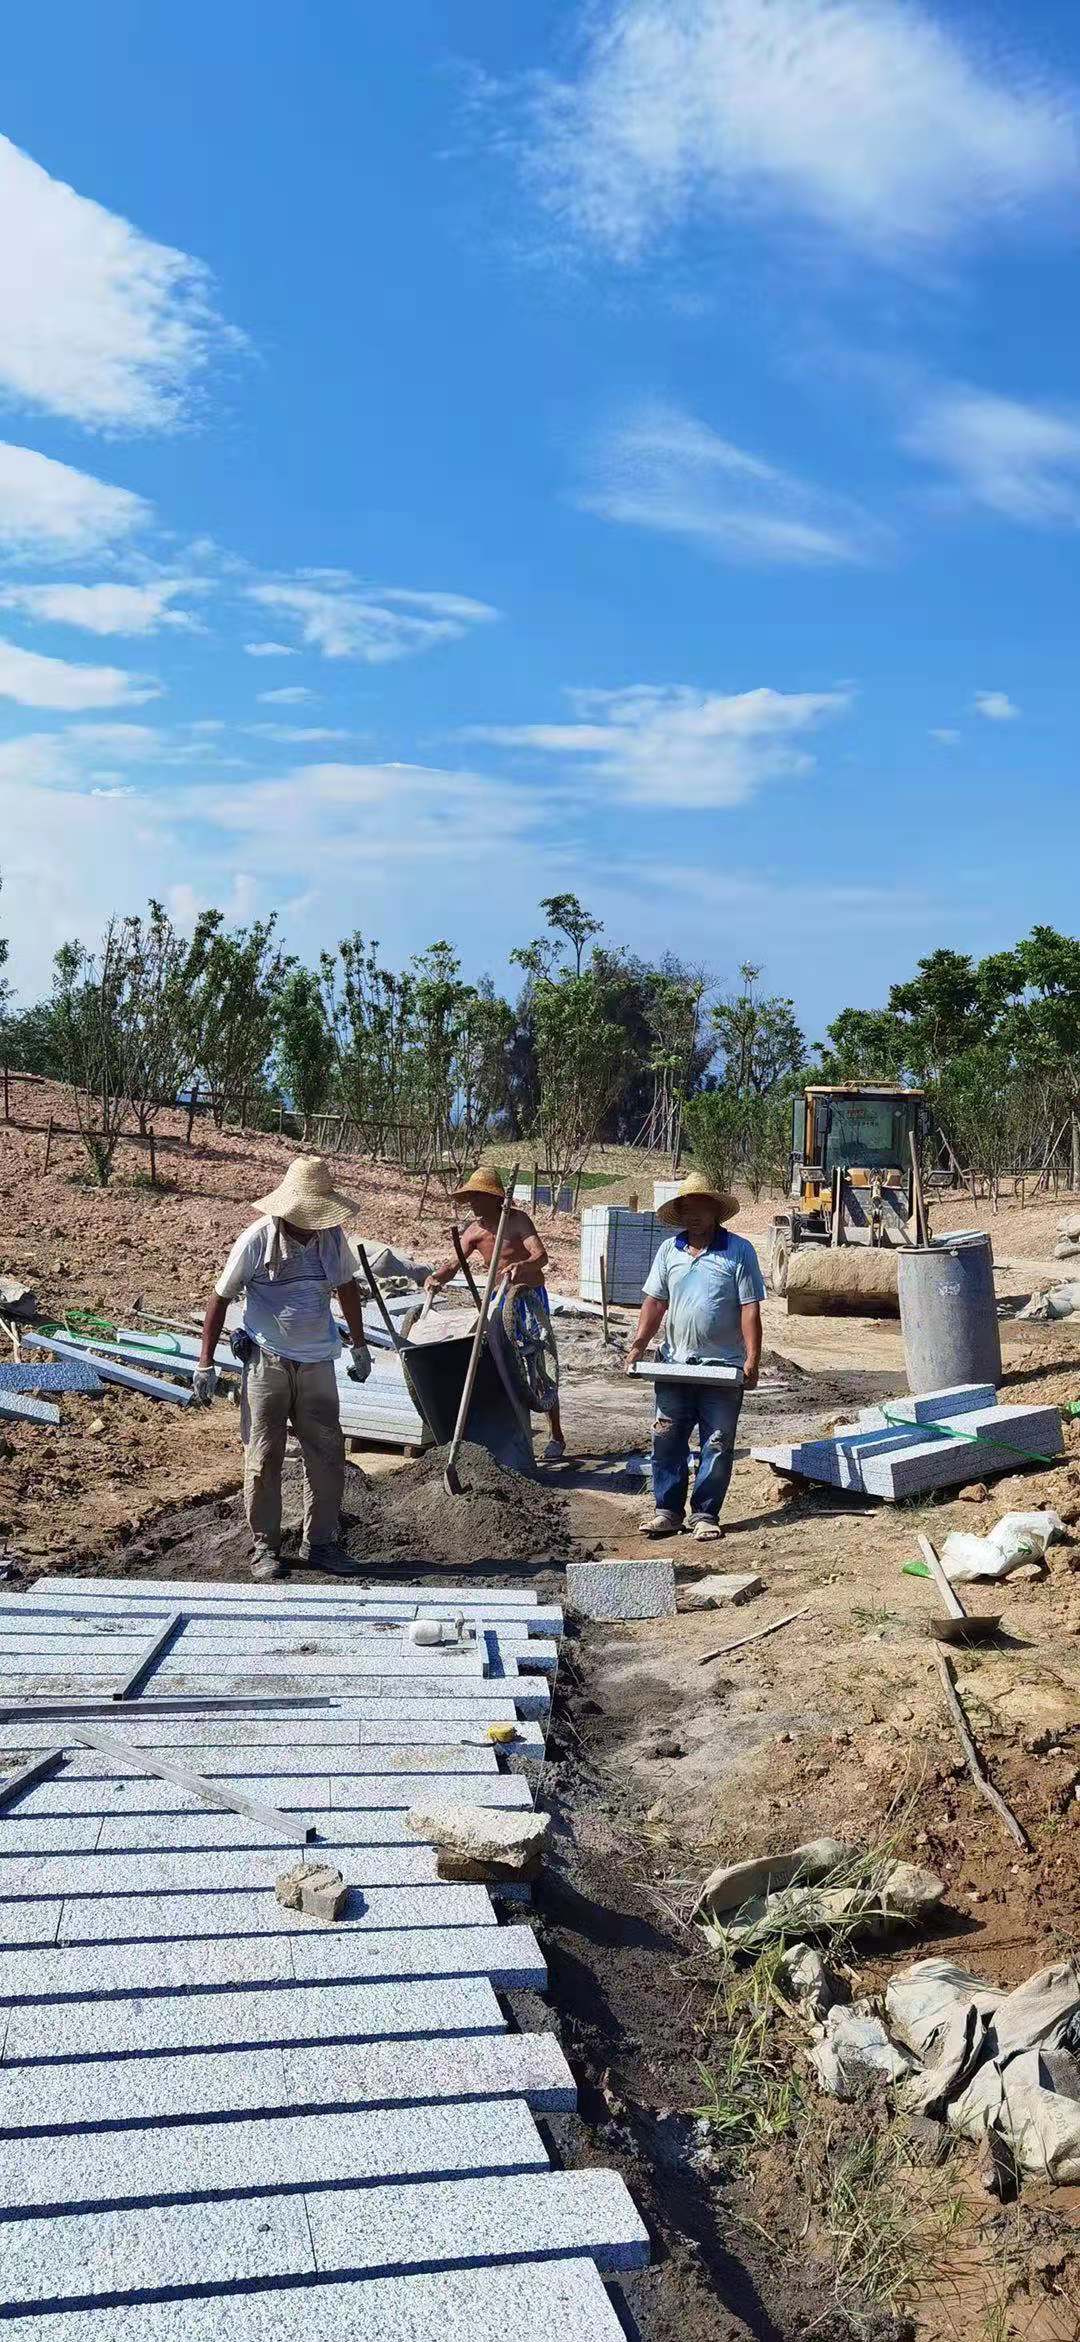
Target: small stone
[[976, 1492], [803, 1975], [95, 1428], [313, 1888], [666, 1745], [481, 1843]]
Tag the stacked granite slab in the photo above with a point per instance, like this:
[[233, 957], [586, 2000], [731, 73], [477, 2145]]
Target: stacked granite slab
[[935, 1440], [218, 2117]]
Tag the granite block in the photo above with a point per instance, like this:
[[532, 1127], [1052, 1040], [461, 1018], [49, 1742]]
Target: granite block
[[621, 1589]]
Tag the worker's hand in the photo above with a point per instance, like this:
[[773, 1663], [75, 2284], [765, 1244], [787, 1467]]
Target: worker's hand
[[203, 1385], [634, 1355], [359, 1366], [433, 1284], [750, 1376]]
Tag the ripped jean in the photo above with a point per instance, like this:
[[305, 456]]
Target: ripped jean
[[679, 1406]]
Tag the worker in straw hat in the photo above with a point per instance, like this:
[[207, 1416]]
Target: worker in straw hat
[[287, 1265], [523, 1259], [708, 1284]]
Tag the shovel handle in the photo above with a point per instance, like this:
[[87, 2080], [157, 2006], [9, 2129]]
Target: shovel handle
[[376, 1290], [450, 1478], [464, 1266], [952, 1601]]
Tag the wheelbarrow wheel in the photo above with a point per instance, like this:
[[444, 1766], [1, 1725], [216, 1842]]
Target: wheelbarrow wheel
[[531, 1352]]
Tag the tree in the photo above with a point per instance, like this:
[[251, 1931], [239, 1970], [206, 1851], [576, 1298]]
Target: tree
[[581, 1062], [762, 1042], [156, 1006], [369, 1015], [304, 1051], [233, 983], [94, 1029], [569, 917]]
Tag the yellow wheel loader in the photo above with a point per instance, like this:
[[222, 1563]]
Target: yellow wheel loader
[[854, 1200]]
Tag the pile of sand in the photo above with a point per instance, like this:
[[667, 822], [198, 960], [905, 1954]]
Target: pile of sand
[[499, 1516]]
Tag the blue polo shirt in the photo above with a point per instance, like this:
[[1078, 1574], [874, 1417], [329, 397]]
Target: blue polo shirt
[[705, 1292]]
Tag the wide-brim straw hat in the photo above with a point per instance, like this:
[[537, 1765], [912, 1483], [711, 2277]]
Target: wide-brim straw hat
[[700, 1189], [307, 1197], [485, 1181]]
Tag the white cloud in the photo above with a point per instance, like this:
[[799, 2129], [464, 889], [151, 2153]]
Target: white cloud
[[664, 470], [872, 119], [105, 609], [49, 508], [1019, 460], [289, 695], [298, 732], [996, 706], [269, 650], [99, 324], [677, 746], [946, 737], [36, 681], [373, 624]]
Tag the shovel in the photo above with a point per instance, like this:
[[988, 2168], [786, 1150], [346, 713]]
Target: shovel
[[379, 1300], [958, 1626], [451, 1481]]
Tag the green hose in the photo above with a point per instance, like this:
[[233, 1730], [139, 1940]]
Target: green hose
[[975, 1438]]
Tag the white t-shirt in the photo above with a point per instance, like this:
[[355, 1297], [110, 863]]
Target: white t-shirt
[[288, 1312]]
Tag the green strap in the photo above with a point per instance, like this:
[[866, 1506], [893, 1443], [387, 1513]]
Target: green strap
[[975, 1438]]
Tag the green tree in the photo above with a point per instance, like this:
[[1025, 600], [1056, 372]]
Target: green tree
[[155, 998], [233, 983], [761, 1040], [304, 1053], [581, 1062], [369, 1016], [95, 1027], [569, 917]]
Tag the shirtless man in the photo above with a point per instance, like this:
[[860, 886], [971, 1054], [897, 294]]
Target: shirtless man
[[523, 1261]]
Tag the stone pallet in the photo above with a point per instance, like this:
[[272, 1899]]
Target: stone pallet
[[201, 2090], [877, 1457]]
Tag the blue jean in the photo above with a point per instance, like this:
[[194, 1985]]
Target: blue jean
[[679, 1407]]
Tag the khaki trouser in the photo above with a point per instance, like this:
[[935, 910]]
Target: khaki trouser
[[278, 1393]]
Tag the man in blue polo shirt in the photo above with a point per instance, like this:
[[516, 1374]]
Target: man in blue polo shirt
[[709, 1286]]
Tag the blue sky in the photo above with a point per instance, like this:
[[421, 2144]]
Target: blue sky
[[454, 453]]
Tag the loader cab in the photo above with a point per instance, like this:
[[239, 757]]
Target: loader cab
[[864, 1130]]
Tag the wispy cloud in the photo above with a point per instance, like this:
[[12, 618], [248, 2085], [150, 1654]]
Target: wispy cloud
[[996, 706], [870, 118], [270, 650], [289, 695], [35, 681], [662, 469], [106, 608], [374, 624], [48, 508], [653, 745], [945, 736], [298, 732], [100, 325], [1016, 459]]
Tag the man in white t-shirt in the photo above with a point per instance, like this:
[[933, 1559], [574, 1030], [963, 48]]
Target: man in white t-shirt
[[287, 1266]]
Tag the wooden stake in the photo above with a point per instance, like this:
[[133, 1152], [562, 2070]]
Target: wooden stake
[[922, 1225], [975, 1765], [153, 1159], [7, 1101], [48, 1142], [603, 1295], [756, 1637]]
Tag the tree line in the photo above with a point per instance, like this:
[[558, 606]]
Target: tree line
[[426, 1069]]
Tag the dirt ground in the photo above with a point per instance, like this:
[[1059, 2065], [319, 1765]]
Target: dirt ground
[[663, 1762]]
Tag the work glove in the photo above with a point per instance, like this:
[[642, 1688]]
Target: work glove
[[203, 1385], [359, 1366]]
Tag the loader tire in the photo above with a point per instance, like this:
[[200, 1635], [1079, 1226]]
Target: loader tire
[[779, 1257]]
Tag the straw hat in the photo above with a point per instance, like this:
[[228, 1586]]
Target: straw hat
[[307, 1197], [485, 1181], [698, 1186]]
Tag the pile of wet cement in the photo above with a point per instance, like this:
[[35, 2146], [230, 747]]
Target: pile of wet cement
[[499, 1516]]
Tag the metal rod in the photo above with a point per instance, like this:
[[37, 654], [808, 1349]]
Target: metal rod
[[133, 1683], [13, 1785], [268, 1817]]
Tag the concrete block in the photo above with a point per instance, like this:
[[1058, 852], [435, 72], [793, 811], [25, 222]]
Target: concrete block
[[313, 1888], [732, 1586], [459, 2305], [484, 2220], [113, 1919], [621, 1589], [253, 2019], [294, 2151]]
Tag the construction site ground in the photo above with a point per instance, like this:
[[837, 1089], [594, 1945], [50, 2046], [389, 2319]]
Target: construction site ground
[[662, 1765]]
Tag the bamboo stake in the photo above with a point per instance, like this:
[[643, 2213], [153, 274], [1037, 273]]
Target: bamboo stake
[[975, 1765], [756, 1637]]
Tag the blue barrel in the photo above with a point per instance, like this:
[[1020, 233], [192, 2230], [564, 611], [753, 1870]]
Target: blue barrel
[[948, 1314]]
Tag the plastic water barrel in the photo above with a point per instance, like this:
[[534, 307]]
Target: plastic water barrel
[[948, 1314]]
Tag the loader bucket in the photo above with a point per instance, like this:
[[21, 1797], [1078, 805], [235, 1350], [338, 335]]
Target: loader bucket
[[850, 1281]]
